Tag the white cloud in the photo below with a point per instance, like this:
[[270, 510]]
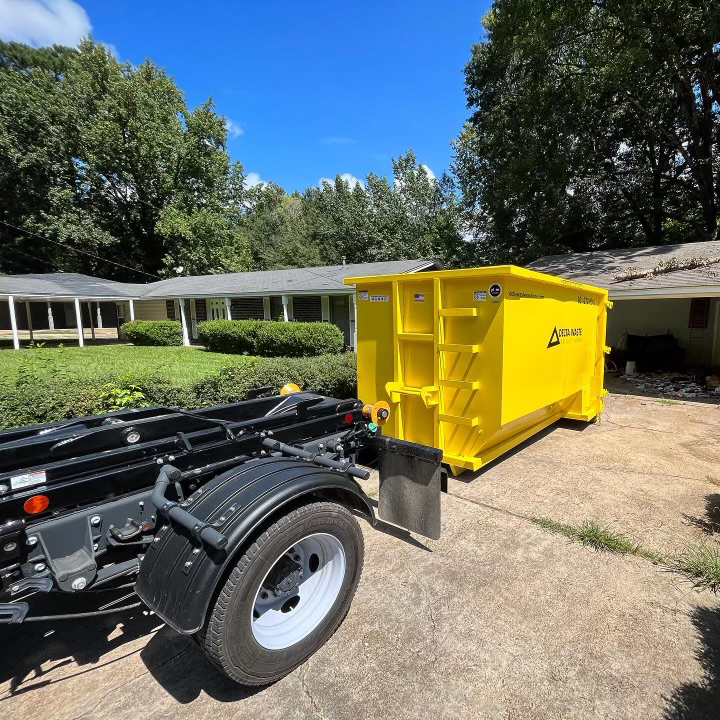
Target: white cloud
[[337, 141], [351, 180], [252, 179], [43, 22], [428, 172], [233, 129]]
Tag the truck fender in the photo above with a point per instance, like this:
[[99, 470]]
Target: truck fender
[[179, 575]]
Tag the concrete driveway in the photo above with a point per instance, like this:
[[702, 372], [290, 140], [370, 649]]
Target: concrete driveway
[[497, 619]]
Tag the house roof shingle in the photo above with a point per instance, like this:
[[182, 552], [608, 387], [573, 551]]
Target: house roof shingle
[[300, 280], [604, 269]]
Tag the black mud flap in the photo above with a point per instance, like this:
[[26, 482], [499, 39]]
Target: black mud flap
[[410, 485]]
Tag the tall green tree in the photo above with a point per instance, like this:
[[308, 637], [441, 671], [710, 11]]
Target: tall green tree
[[594, 124]]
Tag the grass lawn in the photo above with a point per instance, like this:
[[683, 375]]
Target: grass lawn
[[181, 365]]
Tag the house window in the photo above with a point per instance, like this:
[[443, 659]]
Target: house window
[[170, 308], [699, 313], [307, 308]]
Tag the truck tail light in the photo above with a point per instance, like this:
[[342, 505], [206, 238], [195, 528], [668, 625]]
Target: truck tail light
[[36, 504]]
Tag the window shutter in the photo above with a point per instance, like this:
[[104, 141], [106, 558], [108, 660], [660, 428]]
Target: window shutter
[[699, 313], [307, 308], [170, 307], [247, 309]]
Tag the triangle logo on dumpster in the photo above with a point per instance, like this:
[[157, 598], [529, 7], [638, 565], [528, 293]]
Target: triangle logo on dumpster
[[554, 338]]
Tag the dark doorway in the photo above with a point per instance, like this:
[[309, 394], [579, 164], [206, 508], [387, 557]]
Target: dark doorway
[[340, 314]]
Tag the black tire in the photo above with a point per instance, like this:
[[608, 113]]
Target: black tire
[[227, 637]]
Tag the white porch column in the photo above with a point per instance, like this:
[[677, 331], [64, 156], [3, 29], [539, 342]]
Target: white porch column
[[266, 308], [29, 319], [325, 308], [228, 306], [51, 319], [132, 310], [92, 324], [353, 322], [183, 322], [99, 317], [13, 322], [285, 307], [78, 322]]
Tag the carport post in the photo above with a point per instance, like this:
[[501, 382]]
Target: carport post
[[353, 321], [285, 306], [78, 321], [29, 319], [183, 322], [92, 325], [99, 316], [51, 319], [132, 310], [228, 307], [13, 322]]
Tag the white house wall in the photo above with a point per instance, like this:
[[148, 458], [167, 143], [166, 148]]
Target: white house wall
[[655, 317]]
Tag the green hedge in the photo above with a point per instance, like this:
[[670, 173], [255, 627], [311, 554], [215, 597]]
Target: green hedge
[[268, 338], [153, 332], [38, 398]]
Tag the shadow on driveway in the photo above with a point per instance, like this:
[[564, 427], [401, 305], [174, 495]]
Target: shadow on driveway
[[701, 700]]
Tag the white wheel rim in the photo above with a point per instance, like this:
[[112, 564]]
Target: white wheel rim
[[279, 621]]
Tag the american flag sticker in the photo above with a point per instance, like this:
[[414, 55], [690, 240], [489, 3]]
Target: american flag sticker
[[419, 297]]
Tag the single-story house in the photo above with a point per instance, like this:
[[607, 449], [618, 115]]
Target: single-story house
[[57, 301], [655, 290]]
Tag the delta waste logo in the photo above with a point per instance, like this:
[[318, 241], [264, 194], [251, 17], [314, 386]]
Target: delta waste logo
[[560, 336]]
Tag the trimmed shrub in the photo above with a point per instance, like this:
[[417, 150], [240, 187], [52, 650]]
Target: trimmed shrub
[[153, 332], [269, 338], [36, 398], [334, 375]]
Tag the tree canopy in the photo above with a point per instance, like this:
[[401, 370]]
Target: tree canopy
[[595, 124], [105, 170]]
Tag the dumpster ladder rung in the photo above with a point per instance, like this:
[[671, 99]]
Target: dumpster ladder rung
[[415, 336], [459, 420], [451, 347], [459, 312], [460, 384]]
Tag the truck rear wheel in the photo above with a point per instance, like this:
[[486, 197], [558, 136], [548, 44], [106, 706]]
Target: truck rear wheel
[[286, 595]]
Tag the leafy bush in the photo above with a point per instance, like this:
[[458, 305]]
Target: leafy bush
[[36, 396], [269, 338], [334, 375], [153, 332]]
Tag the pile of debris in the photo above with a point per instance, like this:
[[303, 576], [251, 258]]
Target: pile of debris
[[679, 385]]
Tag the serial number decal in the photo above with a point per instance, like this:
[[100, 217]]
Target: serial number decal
[[584, 300], [379, 298]]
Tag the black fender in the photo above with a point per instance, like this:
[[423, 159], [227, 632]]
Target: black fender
[[179, 575]]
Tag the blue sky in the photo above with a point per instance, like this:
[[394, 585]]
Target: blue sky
[[311, 88]]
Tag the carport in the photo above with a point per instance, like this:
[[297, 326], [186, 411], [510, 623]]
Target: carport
[[63, 301]]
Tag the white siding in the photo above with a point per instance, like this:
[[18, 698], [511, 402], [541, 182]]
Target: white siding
[[150, 310], [654, 317]]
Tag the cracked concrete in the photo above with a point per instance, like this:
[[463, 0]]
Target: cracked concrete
[[497, 619]]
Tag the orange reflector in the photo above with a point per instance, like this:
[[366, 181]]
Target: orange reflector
[[289, 389], [36, 504]]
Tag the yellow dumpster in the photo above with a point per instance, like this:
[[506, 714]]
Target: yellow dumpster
[[475, 361]]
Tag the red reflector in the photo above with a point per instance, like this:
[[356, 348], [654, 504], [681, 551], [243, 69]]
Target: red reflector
[[348, 418], [36, 504]]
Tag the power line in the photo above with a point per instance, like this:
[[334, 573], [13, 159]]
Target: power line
[[34, 257], [82, 252]]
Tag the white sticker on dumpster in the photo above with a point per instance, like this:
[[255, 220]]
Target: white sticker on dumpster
[[479, 296], [30, 479], [363, 295], [379, 298]]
